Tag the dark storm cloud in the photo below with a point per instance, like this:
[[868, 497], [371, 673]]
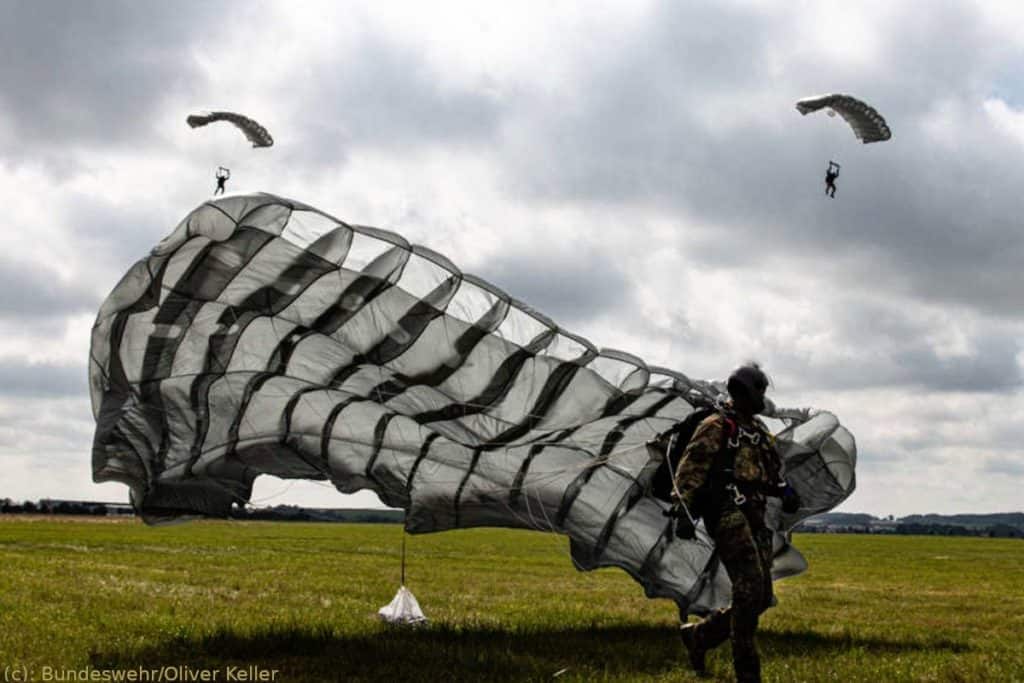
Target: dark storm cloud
[[29, 292], [570, 288], [24, 380], [384, 93], [928, 213], [81, 72]]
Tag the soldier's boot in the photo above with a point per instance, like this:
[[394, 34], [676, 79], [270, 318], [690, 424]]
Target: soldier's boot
[[751, 673], [694, 648], [746, 662]]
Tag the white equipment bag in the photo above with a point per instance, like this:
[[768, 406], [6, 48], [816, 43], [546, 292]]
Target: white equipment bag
[[403, 609]]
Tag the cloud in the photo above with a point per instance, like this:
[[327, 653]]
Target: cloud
[[381, 93], [872, 342], [43, 424], [708, 131], [569, 287], [1012, 467], [31, 291], [21, 380], [76, 73], [990, 366], [115, 234], [1007, 120]]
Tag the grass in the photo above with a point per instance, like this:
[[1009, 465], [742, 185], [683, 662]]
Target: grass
[[504, 606]]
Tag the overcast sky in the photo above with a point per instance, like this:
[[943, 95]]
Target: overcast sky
[[635, 170]]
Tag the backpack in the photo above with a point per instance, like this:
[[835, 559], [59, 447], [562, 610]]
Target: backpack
[[678, 439]]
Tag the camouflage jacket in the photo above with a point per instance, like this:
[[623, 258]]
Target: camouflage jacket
[[757, 468]]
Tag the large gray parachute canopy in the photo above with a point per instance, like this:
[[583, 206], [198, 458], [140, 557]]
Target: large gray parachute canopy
[[868, 125], [263, 336], [254, 132]]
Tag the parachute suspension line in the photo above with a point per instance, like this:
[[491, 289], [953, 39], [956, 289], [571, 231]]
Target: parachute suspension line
[[403, 609], [404, 534]]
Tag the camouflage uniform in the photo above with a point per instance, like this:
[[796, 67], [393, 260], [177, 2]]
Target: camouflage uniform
[[743, 542]]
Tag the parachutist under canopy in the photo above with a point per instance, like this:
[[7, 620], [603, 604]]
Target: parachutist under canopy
[[222, 176], [830, 178]]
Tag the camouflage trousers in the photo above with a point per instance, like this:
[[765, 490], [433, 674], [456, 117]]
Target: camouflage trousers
[[745, 550]]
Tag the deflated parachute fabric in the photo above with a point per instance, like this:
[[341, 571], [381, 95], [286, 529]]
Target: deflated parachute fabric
[[265, 337], [868, 125], [254, 132]]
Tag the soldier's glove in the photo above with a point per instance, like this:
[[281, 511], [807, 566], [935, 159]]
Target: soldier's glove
[[790, 500], [684, 523]]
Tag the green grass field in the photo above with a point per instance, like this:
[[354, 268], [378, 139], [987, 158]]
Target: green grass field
[[301, 599]]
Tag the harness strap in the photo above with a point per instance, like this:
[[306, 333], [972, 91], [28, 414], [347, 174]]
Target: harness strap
[[725, 461]]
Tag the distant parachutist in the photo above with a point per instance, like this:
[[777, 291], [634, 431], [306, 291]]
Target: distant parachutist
[[222, 176], [867, 124], [830, 178]]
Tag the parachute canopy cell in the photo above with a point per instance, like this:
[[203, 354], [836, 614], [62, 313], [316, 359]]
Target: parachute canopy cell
[[263, 336], [867, 124], [254, 132]]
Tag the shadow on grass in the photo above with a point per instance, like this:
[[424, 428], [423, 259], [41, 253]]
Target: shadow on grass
[[815, 644], [441, 652]]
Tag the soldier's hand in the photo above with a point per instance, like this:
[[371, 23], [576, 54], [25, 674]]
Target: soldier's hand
[[684, 528], [684, 523], [790, 500]]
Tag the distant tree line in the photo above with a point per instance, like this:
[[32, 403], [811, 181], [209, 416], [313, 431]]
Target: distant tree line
[[994, 531], [278, 513], [995, 524], [48, 506], [293, 513], [1003, 525], [915, 529]]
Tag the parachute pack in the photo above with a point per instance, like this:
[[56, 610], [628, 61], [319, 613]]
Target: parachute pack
[[705, 502], [675, 442]]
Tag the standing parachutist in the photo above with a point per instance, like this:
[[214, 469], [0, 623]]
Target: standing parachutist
[[728, 470]]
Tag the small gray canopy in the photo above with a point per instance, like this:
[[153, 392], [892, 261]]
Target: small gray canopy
[[867, 124], [254, 132]]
